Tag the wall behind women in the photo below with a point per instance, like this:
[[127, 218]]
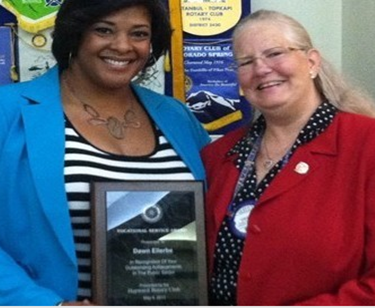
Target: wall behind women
[[343, 30], [358, 42]]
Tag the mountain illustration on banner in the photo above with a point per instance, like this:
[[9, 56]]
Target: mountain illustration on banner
[[33, 16], [214, 111]]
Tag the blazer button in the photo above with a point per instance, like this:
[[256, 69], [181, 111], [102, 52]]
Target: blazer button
[[255, 229]]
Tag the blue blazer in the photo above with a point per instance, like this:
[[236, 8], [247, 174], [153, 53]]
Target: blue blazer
[[38, 265]]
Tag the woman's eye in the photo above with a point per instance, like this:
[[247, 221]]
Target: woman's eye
[[141, 34], [275, 54], [102, 30], [246, 62]]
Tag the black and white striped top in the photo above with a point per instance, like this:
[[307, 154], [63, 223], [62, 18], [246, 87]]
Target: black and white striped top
[[85, 163]]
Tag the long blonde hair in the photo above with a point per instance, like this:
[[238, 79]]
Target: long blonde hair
[[330, 84]]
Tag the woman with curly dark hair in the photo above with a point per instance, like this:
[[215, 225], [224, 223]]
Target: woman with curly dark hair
[[84, 121]]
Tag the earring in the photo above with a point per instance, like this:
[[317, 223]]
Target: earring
[[151, 55], [149, 74], [152, 59], [312, 75], [70, 58]]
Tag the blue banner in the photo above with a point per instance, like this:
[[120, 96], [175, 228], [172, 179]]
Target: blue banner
[[211, 88]]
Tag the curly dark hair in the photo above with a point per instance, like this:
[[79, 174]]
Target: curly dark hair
[[76, 16]]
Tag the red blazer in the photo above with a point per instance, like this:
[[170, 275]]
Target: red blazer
[[311, 237]]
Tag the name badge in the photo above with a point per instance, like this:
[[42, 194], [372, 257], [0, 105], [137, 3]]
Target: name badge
[[238, 219]]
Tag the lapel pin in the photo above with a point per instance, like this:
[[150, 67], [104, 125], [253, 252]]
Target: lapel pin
[[302, 168]]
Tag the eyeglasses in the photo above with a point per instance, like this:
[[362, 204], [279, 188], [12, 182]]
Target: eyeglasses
[[272, 56]]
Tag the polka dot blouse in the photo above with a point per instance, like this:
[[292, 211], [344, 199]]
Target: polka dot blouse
[[228, 249]]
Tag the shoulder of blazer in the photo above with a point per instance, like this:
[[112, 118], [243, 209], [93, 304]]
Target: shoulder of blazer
[[355, 129], [42, 89], [152, 100], [355, 122], [167, 111]]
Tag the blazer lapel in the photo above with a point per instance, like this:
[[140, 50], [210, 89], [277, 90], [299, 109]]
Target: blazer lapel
[[224, 179], [44, 130], [304, 163], [170, 125]]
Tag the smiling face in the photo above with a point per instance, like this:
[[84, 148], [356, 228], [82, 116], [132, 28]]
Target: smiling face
[[273, 73], [115, 48]]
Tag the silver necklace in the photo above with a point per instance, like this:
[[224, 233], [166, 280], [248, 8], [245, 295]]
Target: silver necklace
[[269, 162], [116, 127]]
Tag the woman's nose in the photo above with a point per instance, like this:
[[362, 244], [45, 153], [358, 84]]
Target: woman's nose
[[121, 42], [260, 66]]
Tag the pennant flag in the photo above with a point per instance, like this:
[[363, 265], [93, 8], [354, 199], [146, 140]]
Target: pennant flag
[[33, 16], [211, 87]]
